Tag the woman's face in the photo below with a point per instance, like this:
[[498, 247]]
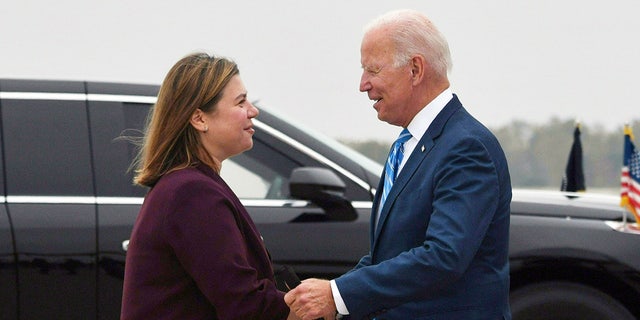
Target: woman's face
[[230, 130]]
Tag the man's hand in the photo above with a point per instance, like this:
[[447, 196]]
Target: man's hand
[[292, 316], [311, 300]]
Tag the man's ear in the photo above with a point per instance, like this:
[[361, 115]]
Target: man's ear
[[418, 64], [198, 122]]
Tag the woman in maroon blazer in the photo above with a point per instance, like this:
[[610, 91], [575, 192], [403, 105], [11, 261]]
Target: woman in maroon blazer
[[194, 252]]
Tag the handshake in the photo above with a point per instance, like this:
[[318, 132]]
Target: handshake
[[310, 299]]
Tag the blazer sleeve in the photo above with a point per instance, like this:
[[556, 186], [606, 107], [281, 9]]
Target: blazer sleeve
[[210, 246], [465, 196], [364, 261]]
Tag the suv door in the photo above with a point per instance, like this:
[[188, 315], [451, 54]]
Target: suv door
[[8, 290], [117, 114], [8, 265], [49, 198], [294, 230]]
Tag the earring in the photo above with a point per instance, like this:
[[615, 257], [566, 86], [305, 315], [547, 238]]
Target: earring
[[206, 128]]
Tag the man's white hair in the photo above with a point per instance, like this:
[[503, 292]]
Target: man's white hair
[[414, 34]]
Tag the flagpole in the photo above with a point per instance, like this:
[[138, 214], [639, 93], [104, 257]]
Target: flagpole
[[624, 209]]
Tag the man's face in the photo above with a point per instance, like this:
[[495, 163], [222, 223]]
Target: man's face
[[390, 87]]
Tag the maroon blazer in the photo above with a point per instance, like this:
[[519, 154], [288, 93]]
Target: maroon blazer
[[195, 253]]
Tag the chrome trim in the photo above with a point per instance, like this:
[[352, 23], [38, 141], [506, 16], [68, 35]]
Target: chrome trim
[[71, 200], [119, 200], [77, 97], [43, 96], [291, 203], [362, 204], [294, 143], [121, 98], [274, 203], [51, 200]]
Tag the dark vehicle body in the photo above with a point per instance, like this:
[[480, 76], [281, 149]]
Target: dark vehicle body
[[67, 206]]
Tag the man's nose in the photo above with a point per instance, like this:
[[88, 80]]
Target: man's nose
[[365, 85]]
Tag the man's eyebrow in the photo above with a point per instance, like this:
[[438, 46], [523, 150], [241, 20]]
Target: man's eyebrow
[[371, 68]]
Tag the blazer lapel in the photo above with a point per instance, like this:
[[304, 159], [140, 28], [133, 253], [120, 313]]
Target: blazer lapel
[[419, 154], [417, 157]]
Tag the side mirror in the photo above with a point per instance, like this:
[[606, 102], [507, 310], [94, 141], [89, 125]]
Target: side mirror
[[325, 189]]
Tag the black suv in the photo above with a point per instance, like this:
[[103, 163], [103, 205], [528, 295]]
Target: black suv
[[67, 206]]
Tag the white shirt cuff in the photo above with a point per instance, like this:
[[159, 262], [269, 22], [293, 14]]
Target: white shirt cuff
[[337, 298]]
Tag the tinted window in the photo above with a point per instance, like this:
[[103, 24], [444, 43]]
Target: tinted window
[[47, 148], [245, 183], [251, 179], [110, 121], [260, 173]]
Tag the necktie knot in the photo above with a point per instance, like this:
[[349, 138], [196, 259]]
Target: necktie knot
[[404, 136], [397, 153]]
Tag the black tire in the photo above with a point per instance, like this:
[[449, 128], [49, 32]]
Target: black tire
[[565, 301]]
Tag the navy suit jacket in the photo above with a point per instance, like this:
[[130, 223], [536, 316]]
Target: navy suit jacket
[[440, 248]]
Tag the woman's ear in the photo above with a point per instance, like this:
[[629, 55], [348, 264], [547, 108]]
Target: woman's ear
[[198, 121]]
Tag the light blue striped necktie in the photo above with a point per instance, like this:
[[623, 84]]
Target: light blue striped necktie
[[391, 167]]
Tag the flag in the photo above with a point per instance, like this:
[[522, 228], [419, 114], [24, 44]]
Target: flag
[[630, 181], [573, 179]]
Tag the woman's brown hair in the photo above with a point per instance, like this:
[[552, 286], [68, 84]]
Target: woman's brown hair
[[170, 141]]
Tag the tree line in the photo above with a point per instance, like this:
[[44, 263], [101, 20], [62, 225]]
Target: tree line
[[538, 153]]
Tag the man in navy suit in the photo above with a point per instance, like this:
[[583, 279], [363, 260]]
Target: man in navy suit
[[439, 240]]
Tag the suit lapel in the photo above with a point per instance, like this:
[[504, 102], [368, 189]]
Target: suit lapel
[[417, 157]]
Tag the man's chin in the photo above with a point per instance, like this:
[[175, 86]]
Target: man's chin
[[382, 117]]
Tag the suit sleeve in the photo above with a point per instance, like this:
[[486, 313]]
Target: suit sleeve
[[210, 246], [465, 193], [364, 261]]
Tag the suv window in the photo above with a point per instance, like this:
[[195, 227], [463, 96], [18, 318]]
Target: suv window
[[261, 172], [112, 155], [43, 155]]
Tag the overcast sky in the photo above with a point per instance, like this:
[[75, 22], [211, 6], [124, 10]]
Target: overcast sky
[[526, 60]]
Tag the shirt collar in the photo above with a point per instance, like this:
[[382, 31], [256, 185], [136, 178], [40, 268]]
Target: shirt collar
[[421, 122]]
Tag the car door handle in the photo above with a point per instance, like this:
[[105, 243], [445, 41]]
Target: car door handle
[[125, 245]]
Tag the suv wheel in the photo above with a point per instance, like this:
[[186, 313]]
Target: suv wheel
[[565, 301]]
